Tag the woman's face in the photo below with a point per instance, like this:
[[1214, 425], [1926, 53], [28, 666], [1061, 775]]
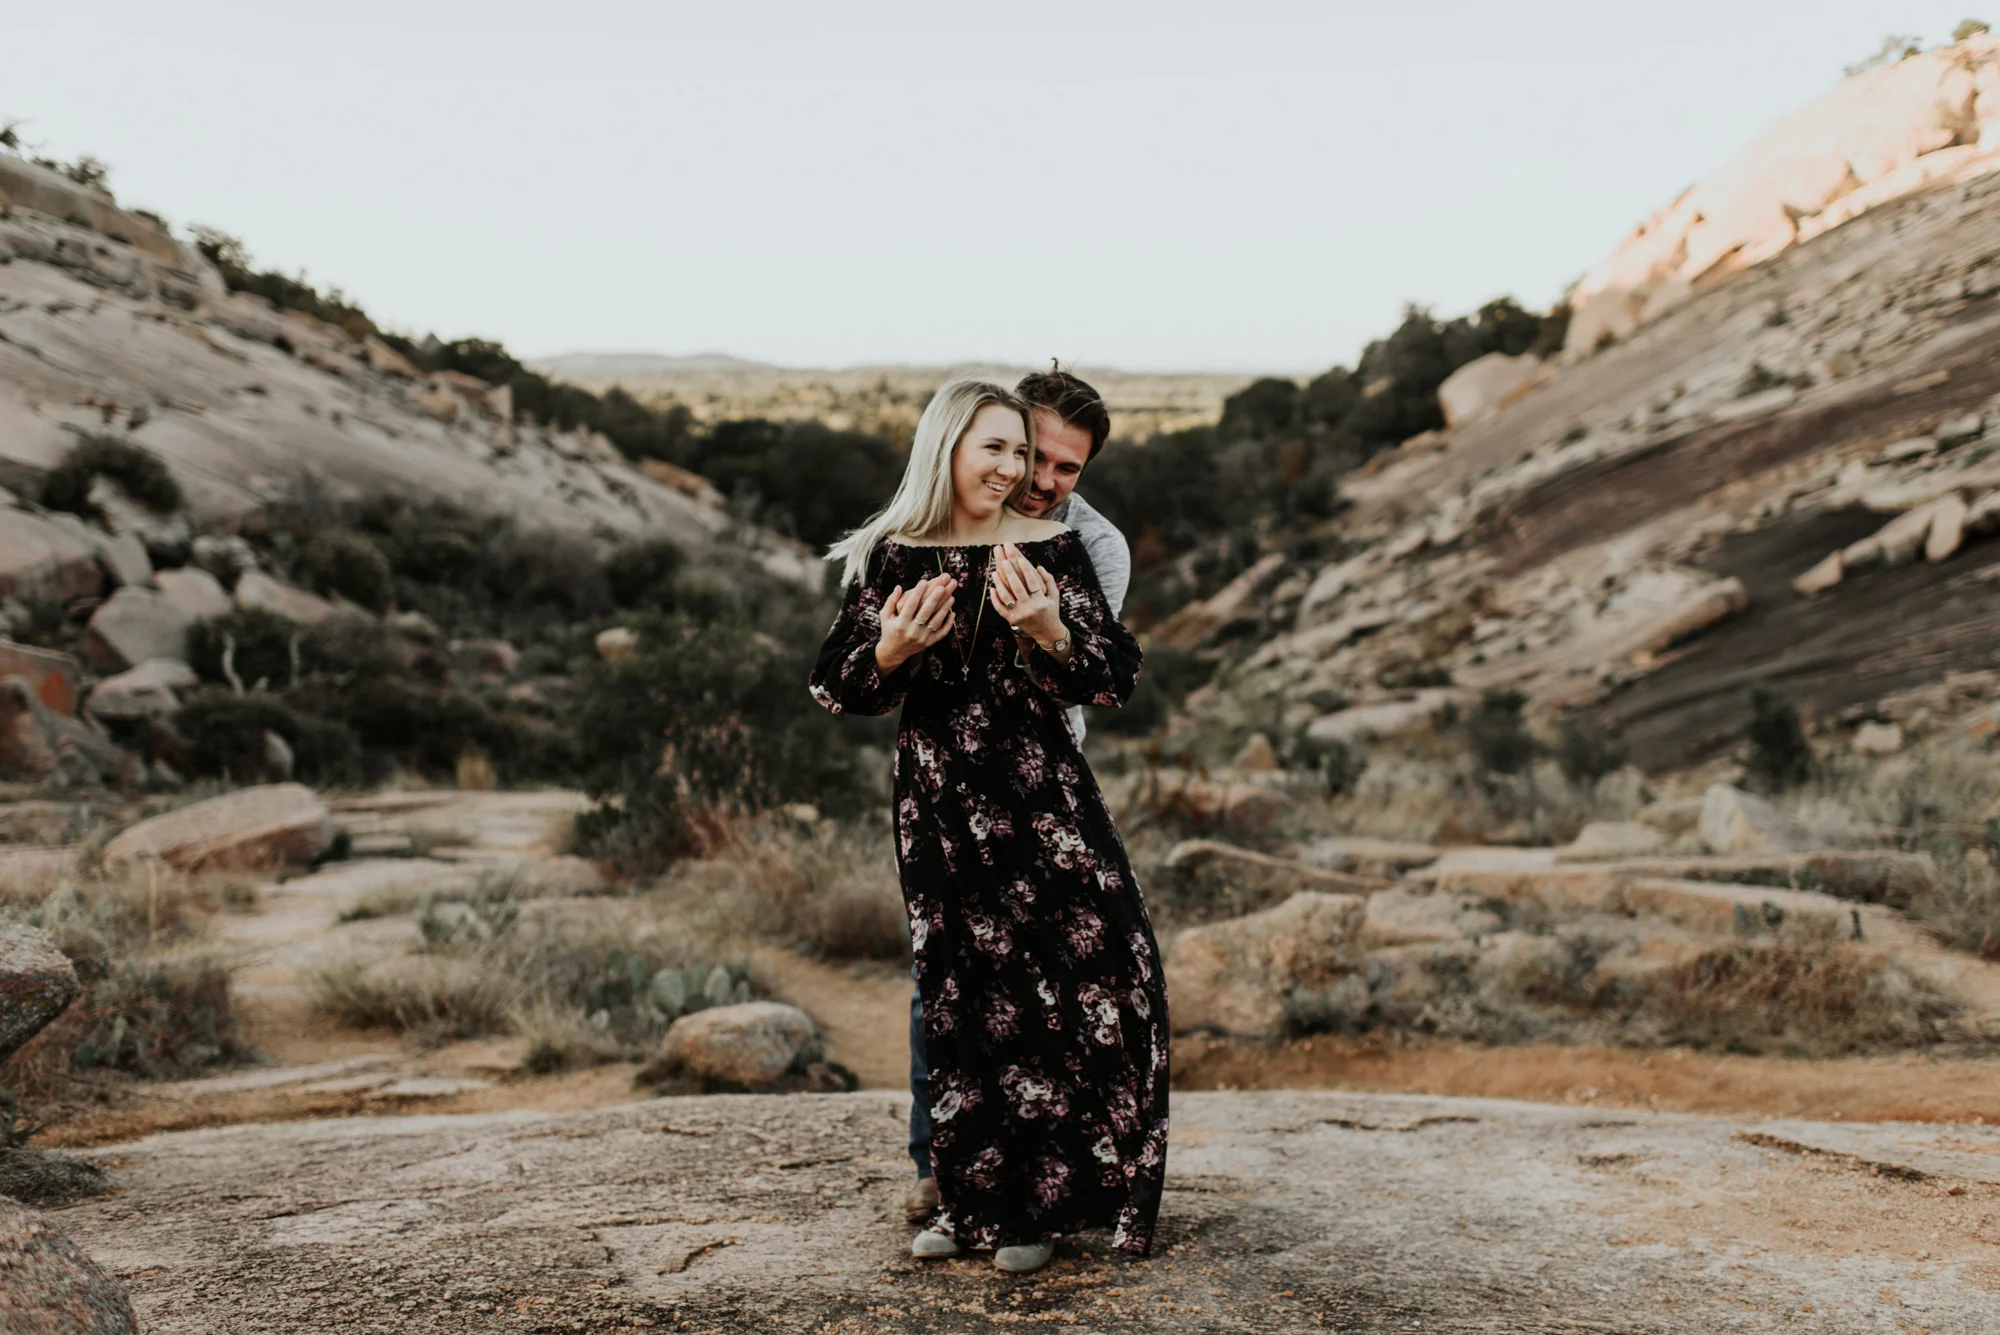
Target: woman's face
[[991, 459]]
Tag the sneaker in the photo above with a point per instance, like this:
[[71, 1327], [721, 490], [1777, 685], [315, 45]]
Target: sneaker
[[922, 1202], [930, 1245], [1024, 1258]]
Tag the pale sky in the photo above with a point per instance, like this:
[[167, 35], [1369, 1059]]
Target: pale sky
[[1152, 186]]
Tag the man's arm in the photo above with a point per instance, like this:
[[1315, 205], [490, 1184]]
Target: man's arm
[[1108, 550]]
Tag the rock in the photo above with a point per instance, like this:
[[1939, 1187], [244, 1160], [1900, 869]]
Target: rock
[[383, 358], [54, 676], [37, 983], [38, 743], [1486, 383], [1604, 840], [274, 825], [1947, 529], [1236, 976], [1960, 431], [145, 691], [1984, 516], [195, 592], [35, 1176], [1204, 620], [616, 643], [1232, 804], [1877, 739], [1524, 966], [1672, 816], [1399, 917], [134, 625], [1697, 612], [1192, 854], [415, 626], [1370, 857], [484, 660], [1397, 718], [1897, 542], [746, 1045], [124, 559], [49, 1287], [1821, 577], [257, 590], [1732, 821], [226, 557], [38, 556], [1258, 756]]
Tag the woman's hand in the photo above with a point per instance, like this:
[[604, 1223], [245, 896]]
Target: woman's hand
[[1029, 598], [915, 620]]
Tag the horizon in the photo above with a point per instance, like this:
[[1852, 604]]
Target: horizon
[[1262, 192]]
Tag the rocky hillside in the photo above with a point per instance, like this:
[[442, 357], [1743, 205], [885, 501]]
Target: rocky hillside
[[1785, 474], [108, 323]]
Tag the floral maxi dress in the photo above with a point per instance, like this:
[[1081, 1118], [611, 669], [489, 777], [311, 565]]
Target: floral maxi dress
[[1044, 1007]]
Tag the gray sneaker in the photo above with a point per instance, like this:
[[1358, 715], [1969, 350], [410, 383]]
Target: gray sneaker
[[1024, 1258], [931, 1245]]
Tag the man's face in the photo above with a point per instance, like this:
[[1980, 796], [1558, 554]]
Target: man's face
[[1061, 450]]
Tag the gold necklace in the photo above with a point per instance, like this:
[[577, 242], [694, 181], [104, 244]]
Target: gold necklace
[[965, 655]]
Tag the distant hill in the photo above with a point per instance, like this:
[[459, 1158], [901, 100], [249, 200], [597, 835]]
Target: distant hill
[[611, 366]]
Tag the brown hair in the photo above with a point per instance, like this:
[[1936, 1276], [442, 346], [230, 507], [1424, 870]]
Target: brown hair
[[1070, 399]]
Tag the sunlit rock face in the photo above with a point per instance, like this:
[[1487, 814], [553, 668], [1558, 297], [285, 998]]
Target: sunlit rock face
[[1880, 135]]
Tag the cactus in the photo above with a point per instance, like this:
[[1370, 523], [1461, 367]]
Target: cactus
[[669, 992]]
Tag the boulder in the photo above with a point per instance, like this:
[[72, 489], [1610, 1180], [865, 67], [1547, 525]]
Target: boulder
[[225, 556], [1702, 608], [134, 625], [1201, 621], [37, 983], [1258, 756], [54, 676], [1486, 383], [1821, 577], [145, 691], [38, 743], [274, 825], [748, 1045], [1395, 718], [1877, 739], [1401, 917], [257, 590], [38, 556], [1236, 976], [1947, 529], [49, 1287], [195, 592], [1733, 821], [484, 660], [616, 643], [1607, 839], [1897, 542]]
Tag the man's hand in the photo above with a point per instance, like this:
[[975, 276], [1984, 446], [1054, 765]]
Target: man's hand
[[913, 621], [1028, 596]]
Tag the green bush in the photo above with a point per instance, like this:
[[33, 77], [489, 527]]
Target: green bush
[[137, 471], [1498, 737], [161, 1020], [1586, 750], [349, 564], [224, 737], [1779, 757], [642, 574], [704, 717]]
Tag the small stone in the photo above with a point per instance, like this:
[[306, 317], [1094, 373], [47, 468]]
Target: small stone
[[616, 644], [1258, 756], [1877, 739], [1821, 577], [1947, 528], [145, 691], [747, 1045], [1960, 430]]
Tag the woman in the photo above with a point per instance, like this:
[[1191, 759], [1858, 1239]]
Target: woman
[[1045, 1013]]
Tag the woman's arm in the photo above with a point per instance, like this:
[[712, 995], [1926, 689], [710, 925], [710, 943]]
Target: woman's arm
[[1082, 654], [863, 665]]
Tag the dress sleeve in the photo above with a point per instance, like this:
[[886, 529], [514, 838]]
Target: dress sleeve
[[1104, 659], [845, 679]]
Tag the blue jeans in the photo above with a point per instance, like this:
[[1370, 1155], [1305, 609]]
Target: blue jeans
[[920, 1085]]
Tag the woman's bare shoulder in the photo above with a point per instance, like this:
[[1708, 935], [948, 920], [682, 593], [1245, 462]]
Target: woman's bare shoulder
[[1020, 528]]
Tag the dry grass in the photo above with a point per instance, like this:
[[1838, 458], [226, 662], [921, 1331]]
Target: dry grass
[[1798, 1000]]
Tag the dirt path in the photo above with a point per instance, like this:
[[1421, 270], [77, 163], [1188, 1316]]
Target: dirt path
[[1285, 1212]]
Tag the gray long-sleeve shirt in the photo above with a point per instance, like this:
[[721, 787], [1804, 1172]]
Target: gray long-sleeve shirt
[[1109, 554]]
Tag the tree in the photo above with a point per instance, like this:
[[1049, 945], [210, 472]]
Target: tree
[[1261, 409], [1968, 29]]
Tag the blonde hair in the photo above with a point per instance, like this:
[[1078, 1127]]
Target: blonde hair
[[921, 507]]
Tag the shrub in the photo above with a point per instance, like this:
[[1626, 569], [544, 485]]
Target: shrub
[[642, 574], [1586, 750], [1780, 757], [137, 471], [1798, 998], [341, 561], [225, 737], [1263, 408], [704, 717], [162, 1020], [1341, 763], [1498, 737]]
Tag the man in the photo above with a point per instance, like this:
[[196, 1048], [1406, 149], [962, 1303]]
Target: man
[[1071, 425]]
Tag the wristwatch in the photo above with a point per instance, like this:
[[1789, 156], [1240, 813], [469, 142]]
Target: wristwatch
[[1061, 646]]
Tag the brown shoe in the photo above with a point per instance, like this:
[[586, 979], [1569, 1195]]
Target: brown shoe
[[922, 1201]]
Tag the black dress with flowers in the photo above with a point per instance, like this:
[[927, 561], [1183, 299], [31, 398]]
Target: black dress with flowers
[[1045, 1012]]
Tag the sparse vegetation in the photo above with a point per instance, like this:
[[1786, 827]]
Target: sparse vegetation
[[1586, 750], [1779, 757], [137, 471], [1499, 739]]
